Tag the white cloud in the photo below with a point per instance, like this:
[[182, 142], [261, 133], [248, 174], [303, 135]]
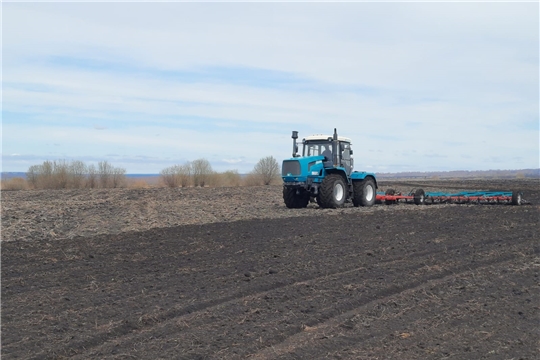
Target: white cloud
[[232, 161]]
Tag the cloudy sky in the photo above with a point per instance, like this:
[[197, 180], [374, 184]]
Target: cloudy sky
[[417, 86]]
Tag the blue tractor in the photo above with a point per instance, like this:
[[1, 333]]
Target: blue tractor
[[324, 172]]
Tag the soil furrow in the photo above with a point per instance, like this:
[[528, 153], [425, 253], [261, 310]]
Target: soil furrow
[[329, 322], [211, 318], [329, 281]]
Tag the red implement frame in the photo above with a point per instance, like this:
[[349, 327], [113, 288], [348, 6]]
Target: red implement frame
[[420, 197]]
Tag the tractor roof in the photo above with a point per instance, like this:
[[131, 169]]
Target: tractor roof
[[325, 137]]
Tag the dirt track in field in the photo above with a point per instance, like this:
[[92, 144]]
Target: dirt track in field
[[390, 282]]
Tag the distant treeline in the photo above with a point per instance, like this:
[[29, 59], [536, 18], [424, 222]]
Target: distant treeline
[[503, 174], [75, 174]]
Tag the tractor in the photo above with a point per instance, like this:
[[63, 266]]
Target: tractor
[[324, 173]]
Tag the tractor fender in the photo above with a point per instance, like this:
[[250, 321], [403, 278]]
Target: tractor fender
[[361, 175], [338, 170]]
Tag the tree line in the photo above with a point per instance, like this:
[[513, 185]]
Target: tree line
[[200, 173], [75, 174]]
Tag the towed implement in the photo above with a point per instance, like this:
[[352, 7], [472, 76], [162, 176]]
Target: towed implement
[[419, 197], [324, 173]]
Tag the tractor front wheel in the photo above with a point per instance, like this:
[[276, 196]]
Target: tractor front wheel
[[294, 200], [332, 192], [365, 192]]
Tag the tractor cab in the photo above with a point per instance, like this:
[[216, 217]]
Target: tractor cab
[[323, 145]]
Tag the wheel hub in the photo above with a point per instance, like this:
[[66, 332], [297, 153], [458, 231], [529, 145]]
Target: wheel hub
[[338, 192], [369, 193]]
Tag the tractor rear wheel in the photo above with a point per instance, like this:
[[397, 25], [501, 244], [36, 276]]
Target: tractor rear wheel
[[293, 200], [332, 192], [364, 192]]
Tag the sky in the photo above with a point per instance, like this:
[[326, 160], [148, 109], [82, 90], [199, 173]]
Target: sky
[[417, 86]]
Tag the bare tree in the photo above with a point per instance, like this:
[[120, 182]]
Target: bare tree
[[77, 171], [176, 175], [201, 171], [104, 173], [46, 175], [61, 174], [49, 175], [184, 174], [267, 169], [110, 176], [91, 179], [42, 176], [33, 174], [169, 177], [118, 177]]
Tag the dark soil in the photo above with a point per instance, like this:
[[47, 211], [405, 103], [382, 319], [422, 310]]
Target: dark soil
[[448, 281]]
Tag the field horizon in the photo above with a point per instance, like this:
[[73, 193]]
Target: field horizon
[[451, 174]]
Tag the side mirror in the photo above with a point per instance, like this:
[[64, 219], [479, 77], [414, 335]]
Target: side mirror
[[351, 152]]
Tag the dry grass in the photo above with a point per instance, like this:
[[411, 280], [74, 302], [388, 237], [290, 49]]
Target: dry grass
[[226, 179], [16, 183], [252, 180], [138, 184]]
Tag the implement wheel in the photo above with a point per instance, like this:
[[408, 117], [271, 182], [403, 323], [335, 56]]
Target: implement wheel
[[419, 197], [332, 192], [516, 198], [293, 200], [365, 192]]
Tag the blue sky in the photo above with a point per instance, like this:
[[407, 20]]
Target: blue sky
[[417, 86]]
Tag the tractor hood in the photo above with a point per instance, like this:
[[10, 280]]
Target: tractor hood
[[298, 168]]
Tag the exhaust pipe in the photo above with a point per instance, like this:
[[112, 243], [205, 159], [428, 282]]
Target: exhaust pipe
[[294, 146], [335, 148]]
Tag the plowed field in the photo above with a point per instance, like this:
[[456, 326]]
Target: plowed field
[[388, 282]]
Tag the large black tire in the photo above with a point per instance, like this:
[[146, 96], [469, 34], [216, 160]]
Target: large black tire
[[365, 192], [516, 198], [293, 200], [419, 197], [332, 192]]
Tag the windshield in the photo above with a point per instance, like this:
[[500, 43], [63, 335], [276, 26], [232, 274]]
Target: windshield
[[315, 148]]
